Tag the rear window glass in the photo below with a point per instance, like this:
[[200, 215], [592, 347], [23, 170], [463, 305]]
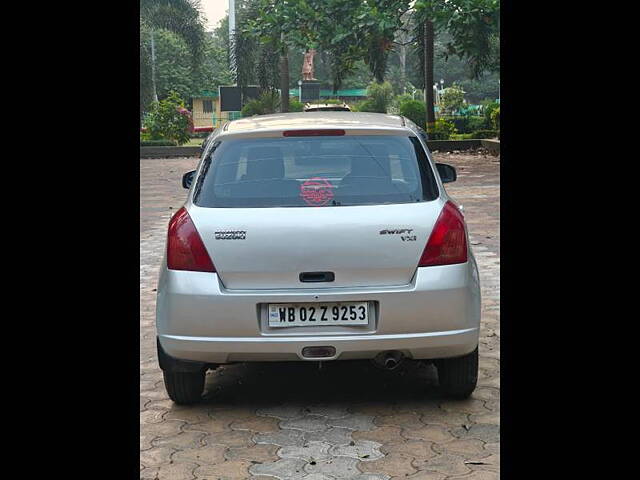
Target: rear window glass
[[315, 171]]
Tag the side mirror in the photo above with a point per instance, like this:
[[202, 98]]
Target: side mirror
[[187, 179], [447, 172]]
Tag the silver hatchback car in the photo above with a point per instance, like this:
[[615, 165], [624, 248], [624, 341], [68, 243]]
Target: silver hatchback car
[[317, 238]]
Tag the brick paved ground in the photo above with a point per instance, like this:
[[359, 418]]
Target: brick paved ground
[[347, 420]]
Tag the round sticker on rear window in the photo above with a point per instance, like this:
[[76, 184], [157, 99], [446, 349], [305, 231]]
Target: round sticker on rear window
[[316, 191]]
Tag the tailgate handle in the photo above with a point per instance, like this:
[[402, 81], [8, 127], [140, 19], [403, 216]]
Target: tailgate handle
[[317, 277]]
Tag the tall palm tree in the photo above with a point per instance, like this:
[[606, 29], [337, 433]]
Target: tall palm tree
[[182, 17]]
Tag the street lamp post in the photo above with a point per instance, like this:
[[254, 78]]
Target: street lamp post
[[232, 28], [153, 67]]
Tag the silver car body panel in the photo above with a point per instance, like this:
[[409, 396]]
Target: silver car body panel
[[425, 312], [283, 242]]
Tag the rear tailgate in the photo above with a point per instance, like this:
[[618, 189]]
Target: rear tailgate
[[268, 248]]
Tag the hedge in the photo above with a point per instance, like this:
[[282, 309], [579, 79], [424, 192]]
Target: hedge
[[485, 134], [158, 143], [468, 124]]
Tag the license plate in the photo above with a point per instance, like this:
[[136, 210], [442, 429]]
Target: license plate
[[311, 314]]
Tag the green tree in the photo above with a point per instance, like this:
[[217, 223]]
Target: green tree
[[275, 26], [449, 68], [182, 17], [380, 21], [174, 70], [473, 26], [173, 65]]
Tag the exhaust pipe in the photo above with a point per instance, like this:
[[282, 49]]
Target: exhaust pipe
[[389, 360]]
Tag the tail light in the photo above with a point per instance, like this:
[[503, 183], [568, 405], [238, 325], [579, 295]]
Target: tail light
[[325, 132], [185, 250], [448, 241]]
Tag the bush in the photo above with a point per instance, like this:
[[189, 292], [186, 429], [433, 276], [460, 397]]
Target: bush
[[476, 123], [461, 136], [468, 124], [380, 96], [488, 106], [495, 118], [169, 120], [295, 105], [266, 103], [414, 110], [443, 130], [363, 106], [158, 143], [485, 134], [452, 98]]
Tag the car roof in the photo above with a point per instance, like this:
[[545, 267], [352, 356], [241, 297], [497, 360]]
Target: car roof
[[320, 119]]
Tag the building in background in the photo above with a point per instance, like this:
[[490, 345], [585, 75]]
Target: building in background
[[206, 110]]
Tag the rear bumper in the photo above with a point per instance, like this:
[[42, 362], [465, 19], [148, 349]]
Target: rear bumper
[[436, 316], [236, 349]]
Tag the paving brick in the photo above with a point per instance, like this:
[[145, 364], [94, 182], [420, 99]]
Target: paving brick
[[284, 469], [336, 467], [256, 424], [255, 453], [446, 464], [181, 441], [309, 423], [431, 433], [353, 422], [209, 455], [173, 471], [230, 470], [482, 431], [398, 464], [363, 450], [309, 452], [333, 436], [424, 475], [381, 435], [156, 456], [468, 448], [229, 439], [282, 438], [401, 419], [418, 449]]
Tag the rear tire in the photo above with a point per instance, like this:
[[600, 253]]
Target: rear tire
[[184, 388], [458, 376]]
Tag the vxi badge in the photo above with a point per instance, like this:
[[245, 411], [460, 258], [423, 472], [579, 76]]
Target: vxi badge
[[405, 233], [231, 235]]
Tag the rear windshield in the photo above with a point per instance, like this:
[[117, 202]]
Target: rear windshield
[[315, 171]]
